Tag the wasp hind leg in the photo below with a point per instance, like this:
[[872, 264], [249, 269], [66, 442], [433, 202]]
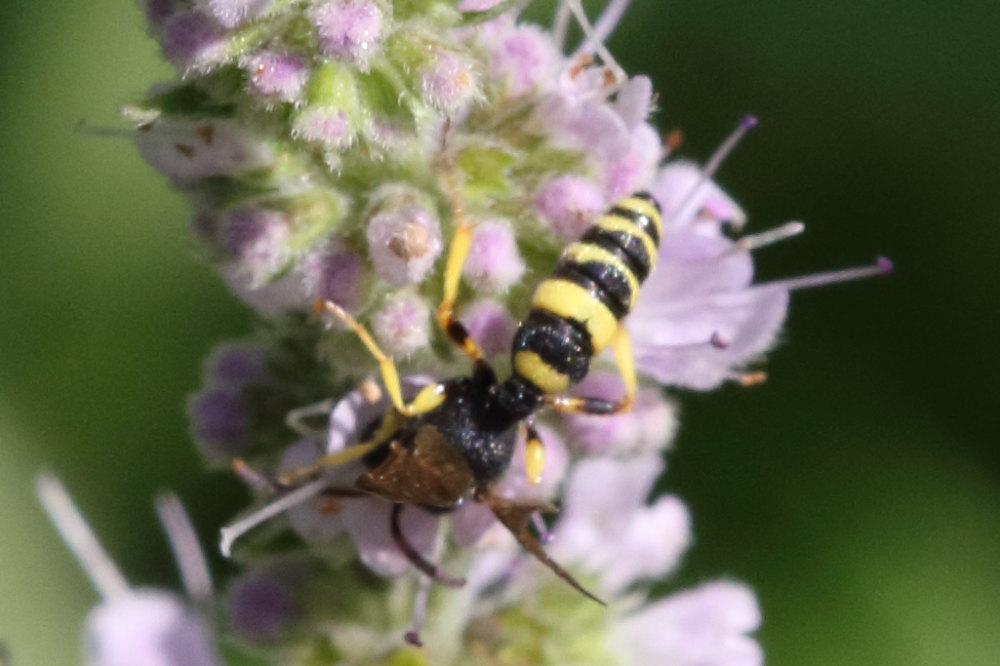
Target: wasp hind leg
[[622, 346]]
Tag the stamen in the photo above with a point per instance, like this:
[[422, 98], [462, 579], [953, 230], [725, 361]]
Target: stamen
[[592, 44], [188, 555], [545, 535], [718, 157], [231, 533], [560, 25], [422, 597], [609, 18], [672, 140], [748, 379], [79, 538], [420, 600], [768, 237], [882, 266]]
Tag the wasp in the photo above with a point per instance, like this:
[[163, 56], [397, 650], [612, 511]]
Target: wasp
[[456, 438]]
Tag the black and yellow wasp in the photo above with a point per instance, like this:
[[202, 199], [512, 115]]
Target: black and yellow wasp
[[456, 438]]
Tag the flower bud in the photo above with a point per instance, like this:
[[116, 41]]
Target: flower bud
[[403, 243], [402, 324], [350, 30], [276, 75], [493, 262]]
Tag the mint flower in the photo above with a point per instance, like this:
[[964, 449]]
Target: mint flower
[[137, 627], [360, 170]]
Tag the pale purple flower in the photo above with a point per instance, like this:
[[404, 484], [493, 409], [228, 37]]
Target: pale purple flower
[[649, 426], [402, 324], [158, 11], [277, 75], [697, 321], [350, 30], [403, 243], [605, 527], [231, 13], [522, 60], [334, 273], [192, 40], [136, 627], [635, 101], [709, 624], [633, 170], [490, 324], [478, 5], [192, 149], [282, 294], [448, 81], [258, 240], [570, 204], [493, 262], [237, 365], [261, 604], [687, 197], [327, 126], [147, 628], [219, 420]]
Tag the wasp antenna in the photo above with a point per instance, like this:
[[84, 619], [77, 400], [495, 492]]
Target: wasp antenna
[[416, 559], [188, 555], [593, 43], [79, 538]]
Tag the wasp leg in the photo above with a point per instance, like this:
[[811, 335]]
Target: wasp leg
[[622, 346], [390, 423], [458, 250], [416, 559], [428, 398], [534, 455]]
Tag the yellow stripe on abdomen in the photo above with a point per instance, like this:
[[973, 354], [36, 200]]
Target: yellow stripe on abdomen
[[530, 365], [572, 301], [625, 226]]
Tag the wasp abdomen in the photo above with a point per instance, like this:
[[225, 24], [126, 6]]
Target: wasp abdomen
[[575, 313]]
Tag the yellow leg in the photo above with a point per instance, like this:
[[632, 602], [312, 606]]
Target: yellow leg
[[458, 250], [332, 460], [621, 343], [428, 398], [534, 455]]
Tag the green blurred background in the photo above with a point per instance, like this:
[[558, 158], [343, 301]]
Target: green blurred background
[[857, 490]]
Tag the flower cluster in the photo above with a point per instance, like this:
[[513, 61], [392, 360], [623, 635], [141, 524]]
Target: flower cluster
[[330, 149]]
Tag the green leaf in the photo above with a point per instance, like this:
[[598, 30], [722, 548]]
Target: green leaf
[[485, 171]]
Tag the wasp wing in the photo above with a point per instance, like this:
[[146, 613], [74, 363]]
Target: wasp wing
[[428, 472], [515, 516]]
